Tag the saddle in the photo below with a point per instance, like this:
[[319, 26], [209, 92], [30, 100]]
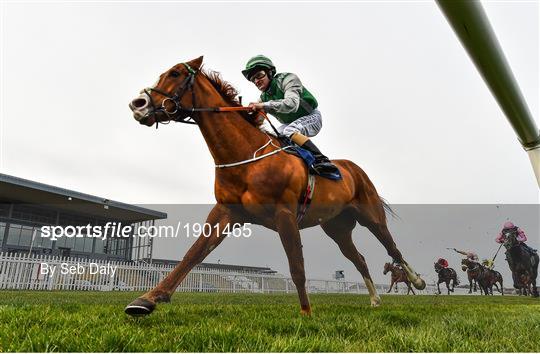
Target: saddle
[[531, 251], [307, 157]]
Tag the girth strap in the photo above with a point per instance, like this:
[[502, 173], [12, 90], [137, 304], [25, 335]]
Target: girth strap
[[306, 198]]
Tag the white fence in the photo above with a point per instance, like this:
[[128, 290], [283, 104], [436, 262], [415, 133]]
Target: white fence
[[56, 273]]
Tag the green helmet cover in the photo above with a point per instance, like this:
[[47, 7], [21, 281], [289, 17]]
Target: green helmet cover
[[257, 63]]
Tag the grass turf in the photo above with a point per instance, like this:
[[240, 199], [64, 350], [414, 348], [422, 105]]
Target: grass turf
[[74, 321]]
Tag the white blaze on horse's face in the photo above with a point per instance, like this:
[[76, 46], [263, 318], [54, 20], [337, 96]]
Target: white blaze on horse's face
[[141, 105]]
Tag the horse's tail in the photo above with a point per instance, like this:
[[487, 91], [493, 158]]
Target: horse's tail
[[388, 209]]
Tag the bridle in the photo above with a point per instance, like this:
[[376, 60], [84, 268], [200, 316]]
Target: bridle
[[510, 239], [185, 113], [475, 267]]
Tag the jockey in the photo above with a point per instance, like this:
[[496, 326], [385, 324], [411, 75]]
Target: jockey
[[520, 236], [284, 96], [471, 256], [488, 263], [443, 262]]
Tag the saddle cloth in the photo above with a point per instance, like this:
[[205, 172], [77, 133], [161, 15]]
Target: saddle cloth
[[307, 157]]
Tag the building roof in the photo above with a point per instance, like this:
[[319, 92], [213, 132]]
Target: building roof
[[20, 190], [229, 267]]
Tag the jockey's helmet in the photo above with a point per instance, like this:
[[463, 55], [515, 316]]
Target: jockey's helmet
[[257, 63], [508, 225]]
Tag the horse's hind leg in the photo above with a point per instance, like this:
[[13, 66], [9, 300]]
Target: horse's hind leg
[[535, 275], [373, 217], [496, 287], [340, 230]]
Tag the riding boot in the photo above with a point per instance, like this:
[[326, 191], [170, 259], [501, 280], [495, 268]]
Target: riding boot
[[322, 163]]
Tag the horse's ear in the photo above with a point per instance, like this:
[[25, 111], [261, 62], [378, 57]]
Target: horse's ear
[[196, 63]]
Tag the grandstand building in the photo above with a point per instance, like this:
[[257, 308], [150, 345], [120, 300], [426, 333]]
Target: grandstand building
[[218, 267], [26, 206]]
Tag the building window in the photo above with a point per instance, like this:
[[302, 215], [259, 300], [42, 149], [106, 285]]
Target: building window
[[74, 220], [2, 232], [4, 209], [42, 242], [65, 242], [99, 246], [21, 235], [33, 214]]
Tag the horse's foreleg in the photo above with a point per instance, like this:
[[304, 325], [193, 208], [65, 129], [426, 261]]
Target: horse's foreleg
[[438, 287], [448, 286], [391, 285], [219, 218], [340, 230], [534, 288], [410, 288], [289, 234]]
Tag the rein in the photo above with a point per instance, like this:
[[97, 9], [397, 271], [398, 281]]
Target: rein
[[187, 85]]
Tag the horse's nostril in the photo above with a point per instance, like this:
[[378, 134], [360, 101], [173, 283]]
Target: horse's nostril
[[139, 103]]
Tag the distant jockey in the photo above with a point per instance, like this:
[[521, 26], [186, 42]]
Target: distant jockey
[[509, 227], [442, 262], [488, 263], [471, 256]]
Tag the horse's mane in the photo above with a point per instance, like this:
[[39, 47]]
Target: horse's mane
[[226, 89]]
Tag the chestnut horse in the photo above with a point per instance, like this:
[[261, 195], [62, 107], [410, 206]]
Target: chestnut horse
[[398, 275], [472, 276], [264, 191]]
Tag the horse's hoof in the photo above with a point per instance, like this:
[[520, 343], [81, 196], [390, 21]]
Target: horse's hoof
[[140, 307], [306, 313], [375, 302], [419, 284]]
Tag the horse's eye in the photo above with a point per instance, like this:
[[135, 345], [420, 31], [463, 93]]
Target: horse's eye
[[174, 74]]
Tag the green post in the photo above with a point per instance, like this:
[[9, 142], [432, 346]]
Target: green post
[[469, 21]]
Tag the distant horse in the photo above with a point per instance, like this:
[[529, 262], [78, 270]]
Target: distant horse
[[524, 285], [258, 183], [485, 277], [445, 276], [497, 278], [472, 275], [398, 275], [488, 278], [522, 263]]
